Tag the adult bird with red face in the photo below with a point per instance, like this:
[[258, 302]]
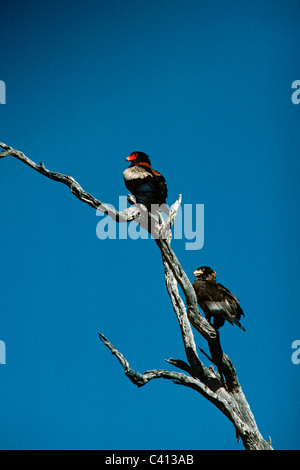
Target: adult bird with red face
[[148, 186]]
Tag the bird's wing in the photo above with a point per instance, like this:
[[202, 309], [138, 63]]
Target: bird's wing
[[227, 292], [232, 300], [162, 186], [148, 193], [206, 290], [226, 309], [219, 301]]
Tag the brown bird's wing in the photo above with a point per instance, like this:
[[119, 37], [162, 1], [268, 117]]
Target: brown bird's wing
[[227, 292], [206, 292], [217, 301]]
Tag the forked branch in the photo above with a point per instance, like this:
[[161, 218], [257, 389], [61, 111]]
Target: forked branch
[[177, 377]]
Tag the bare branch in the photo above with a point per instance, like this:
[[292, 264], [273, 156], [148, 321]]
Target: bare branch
[[177, 377], [127, 215]]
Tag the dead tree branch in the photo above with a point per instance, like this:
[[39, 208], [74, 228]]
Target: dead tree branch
[[127, 215], [177, 377], [221, 387]]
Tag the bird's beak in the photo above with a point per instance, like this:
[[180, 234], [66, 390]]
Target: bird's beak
[[130, 158], [197, 272]]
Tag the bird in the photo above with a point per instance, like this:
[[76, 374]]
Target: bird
[[216, 300], [147, 185]]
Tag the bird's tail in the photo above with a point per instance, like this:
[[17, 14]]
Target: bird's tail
[[236, 322]]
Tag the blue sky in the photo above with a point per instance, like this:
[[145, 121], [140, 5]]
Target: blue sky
[[204, 88]]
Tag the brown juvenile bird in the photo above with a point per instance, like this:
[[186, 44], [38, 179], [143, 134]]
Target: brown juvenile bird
[[215, 300]]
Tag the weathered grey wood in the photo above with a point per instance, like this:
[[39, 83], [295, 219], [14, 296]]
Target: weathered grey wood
[[221, 387], [125, 216]]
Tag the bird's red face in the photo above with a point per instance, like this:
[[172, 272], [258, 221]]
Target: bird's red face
[[132, 156]]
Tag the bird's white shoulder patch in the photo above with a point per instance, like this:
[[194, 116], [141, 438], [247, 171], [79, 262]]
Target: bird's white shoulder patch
[[136, 172]]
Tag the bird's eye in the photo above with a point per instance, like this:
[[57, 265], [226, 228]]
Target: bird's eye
[[135, 154]]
